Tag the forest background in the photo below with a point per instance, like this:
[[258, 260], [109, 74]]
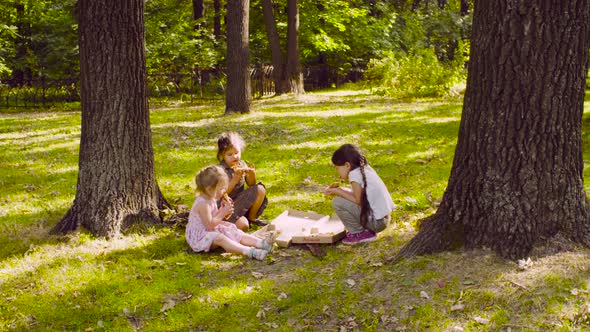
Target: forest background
[[148, 280], [400, 48]]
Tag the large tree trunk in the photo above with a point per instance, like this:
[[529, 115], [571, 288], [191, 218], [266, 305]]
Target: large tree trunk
[[238, 95], [279, 74], [517, 173], [294, 72], [217, 18], [116, 178]]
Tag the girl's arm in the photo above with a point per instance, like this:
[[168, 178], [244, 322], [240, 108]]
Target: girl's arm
[[233, 182], [250, 176], [209, 219], [353, 195]]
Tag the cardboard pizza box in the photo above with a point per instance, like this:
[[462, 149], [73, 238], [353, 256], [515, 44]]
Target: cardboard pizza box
[[294, 226]]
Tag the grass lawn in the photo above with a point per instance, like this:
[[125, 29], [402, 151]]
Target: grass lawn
[[150, 281]]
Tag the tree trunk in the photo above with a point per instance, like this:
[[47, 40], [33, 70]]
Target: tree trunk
[[294, 72], [278, 60], [116, 178], [198, 11], [22, 74], [517, 175], [238, 95], [217, 18], [464, 8]]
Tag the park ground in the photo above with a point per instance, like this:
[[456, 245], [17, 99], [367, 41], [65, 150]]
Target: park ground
[[148, 280]]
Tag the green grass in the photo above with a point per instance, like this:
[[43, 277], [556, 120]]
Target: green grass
[[152, 282]]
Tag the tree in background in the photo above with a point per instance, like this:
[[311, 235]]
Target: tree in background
[[294, 73], [116, 178], [238, 96], [279, 73], [517, 176], [176, 42]]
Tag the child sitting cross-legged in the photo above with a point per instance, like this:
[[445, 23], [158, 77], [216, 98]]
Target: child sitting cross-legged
[[207, 229]]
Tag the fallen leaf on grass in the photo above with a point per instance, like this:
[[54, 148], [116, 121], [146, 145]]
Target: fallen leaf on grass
[[411, 200], [257, 275], [481, 320], [282, 296], [457, 307], [424, 295], [316, 249], [350, 282], [168, 304], [524, 264], [260, 314]]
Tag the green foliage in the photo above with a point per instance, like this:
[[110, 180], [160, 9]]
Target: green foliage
[[151, 281], [175, 42], [414, 75], [46, 34]]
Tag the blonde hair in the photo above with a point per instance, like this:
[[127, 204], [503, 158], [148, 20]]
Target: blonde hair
[[229, 140], [210, 176]]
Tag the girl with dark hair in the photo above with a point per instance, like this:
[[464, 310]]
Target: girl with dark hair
[[248, 202], [364, 208]]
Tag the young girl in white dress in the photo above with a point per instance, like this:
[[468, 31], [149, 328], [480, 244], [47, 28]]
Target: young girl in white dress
[[207, 229]]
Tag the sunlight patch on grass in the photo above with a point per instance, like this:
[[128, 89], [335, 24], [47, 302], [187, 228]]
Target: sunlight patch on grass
[[44, 255], [81, 283]]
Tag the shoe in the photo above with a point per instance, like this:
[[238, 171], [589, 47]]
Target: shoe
[[258, 254], [267, 242], [365, 236], [258, 222]]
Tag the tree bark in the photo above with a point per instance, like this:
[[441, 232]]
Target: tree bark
[[278, 59], [464, 8], [198, 11], [22, 74], [217, 18], [116, 178], [517, 175], [238, 96], [294, 72]]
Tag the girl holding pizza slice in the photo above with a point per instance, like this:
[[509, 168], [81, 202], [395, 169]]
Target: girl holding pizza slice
[[249, 202]]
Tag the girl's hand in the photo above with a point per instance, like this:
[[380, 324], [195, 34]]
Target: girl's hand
[[239, 172], [226, 209], [330, 191], [250, 171]]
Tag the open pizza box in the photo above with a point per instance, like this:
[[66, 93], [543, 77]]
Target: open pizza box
[[294, 226]]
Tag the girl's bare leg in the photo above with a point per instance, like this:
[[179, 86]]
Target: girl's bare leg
[[242, 224], [230, 245], [237, 248], [260, 194], [253, 241]]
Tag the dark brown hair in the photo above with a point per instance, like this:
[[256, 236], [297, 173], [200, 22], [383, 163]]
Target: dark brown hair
[[229, 140], [352, 154]]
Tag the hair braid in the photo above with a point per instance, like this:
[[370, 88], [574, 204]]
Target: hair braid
[[366, 210], [352, 154]]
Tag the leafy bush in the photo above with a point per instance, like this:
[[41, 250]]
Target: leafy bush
[[416, 74]]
